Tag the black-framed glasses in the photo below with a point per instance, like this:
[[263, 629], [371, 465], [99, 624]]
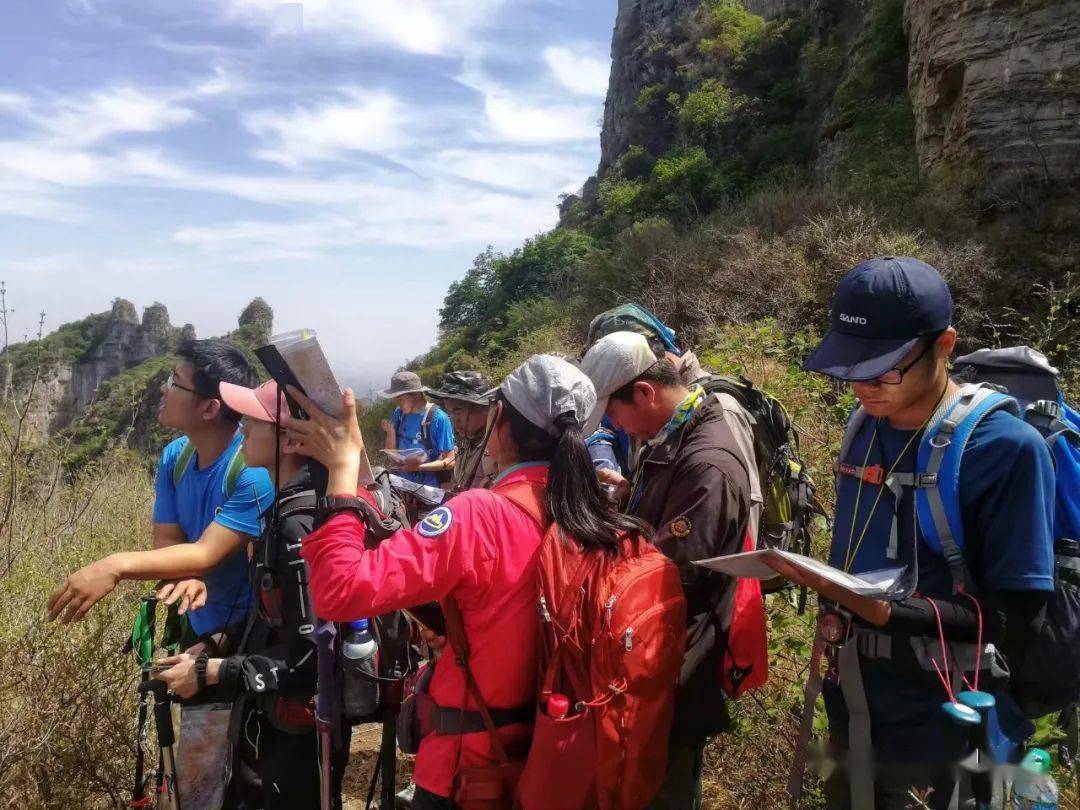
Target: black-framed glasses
[[895, 376], [172, 383]]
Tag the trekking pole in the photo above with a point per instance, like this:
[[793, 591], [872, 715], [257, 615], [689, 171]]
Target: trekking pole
[[325, 712], [388, 760], [981, 762], [144, 651], [166, 738]]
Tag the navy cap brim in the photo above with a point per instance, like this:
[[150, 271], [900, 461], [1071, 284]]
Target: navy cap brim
[[857, 359]]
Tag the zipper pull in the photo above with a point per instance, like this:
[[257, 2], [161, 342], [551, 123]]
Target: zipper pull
[[544, 613], [628, 639], [609, 608]]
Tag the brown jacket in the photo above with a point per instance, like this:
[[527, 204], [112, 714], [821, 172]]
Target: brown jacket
[[695, 491]]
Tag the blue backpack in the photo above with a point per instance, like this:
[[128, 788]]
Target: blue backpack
[[1048, 679]]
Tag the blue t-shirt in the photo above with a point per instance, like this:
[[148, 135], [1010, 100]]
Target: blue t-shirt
[[409, 431], [1006, 493], [200, 500], [1006, 502]]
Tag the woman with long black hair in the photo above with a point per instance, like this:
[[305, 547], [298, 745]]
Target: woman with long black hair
[[477, 552]]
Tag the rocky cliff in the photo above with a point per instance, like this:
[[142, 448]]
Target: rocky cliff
[[995, 87], [122, 342]]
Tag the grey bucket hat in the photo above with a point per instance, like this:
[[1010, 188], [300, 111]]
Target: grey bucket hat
[[404, 382]]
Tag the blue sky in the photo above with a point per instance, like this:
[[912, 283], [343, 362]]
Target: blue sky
[[345, 159]]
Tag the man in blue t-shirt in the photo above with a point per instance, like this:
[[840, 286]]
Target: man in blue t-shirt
[[891, 338], [419, 426], [207, 508]]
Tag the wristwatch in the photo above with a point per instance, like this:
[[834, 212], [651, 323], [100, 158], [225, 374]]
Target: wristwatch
[[200, 670], [329, 505]]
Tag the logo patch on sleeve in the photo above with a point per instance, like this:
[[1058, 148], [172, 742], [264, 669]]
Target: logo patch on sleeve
[[680, 527], [436, 522]]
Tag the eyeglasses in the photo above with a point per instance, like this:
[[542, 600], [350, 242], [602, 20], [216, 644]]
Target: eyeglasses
[[895, 376], [172, 383]]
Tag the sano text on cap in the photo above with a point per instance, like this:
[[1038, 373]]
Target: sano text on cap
[[853, 319]]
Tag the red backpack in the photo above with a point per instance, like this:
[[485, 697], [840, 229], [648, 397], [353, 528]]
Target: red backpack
[[612, 646]]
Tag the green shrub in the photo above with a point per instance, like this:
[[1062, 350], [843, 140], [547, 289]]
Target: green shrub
[[636, 163], [647, 95], [727, 28], [618, 196], [680, 181], [704, 111]]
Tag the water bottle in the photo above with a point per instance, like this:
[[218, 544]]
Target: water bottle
[[360, 689], [1035, 788]]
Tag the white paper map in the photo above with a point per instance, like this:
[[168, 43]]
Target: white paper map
[[756, 565], [304, 356], [300, 349]]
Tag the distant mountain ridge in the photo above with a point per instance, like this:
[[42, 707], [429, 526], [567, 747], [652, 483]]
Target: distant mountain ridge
[[96, 380]]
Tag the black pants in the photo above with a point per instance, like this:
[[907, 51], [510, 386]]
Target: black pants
[[681, 789], [426, 800], [276, 770]]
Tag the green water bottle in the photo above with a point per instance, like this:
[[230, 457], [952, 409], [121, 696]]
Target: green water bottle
[[1035, 788]]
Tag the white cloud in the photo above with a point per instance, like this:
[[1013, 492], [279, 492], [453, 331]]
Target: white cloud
[[413, 26], [94, 117], [580, 73], [515, 120], [362, 121]]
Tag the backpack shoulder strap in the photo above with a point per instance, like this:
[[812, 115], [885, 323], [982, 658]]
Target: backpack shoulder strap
[[529, 497], [459, 643], [937, 492], [183, 461], [232, 473], [854, 424], [425, 425], [297, 504]]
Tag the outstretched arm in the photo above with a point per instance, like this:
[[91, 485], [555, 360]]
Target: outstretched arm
[[85, 587]]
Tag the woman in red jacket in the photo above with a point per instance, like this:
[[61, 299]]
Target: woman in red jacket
[[479, 547]]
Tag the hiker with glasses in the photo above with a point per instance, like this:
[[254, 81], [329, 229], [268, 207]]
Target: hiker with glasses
[[271, 677], [465, 396], [915, 683], [206, 509], [421, 429]]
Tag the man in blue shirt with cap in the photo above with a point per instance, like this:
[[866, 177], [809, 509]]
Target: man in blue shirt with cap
[[892, 714]]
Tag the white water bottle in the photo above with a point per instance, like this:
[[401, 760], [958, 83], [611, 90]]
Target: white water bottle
[[1035, 788], [361, 689]]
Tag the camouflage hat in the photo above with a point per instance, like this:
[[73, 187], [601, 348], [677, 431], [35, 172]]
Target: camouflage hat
[[632, 318], [466, 386]]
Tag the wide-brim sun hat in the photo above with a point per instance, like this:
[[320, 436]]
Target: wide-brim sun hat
[[464, 386], [404, 382]]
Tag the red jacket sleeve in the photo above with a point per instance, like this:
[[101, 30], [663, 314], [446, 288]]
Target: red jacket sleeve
[[412, 566]]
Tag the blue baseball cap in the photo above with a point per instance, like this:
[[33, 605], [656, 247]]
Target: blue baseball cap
[[881, 309]]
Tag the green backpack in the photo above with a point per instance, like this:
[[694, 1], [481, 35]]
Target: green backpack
[[187, 455], [790, 502]]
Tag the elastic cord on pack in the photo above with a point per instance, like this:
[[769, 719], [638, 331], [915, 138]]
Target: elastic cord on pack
[[942, 672]]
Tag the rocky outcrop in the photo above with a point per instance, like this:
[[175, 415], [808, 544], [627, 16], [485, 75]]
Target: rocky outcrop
[[122, 342], [995, 86], [639, 59]]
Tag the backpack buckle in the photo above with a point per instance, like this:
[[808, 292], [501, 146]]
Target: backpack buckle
[[925, 480], [874, 474]]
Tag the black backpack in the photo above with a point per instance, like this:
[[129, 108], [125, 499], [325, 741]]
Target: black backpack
[[790, 502], [1048, 679]]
